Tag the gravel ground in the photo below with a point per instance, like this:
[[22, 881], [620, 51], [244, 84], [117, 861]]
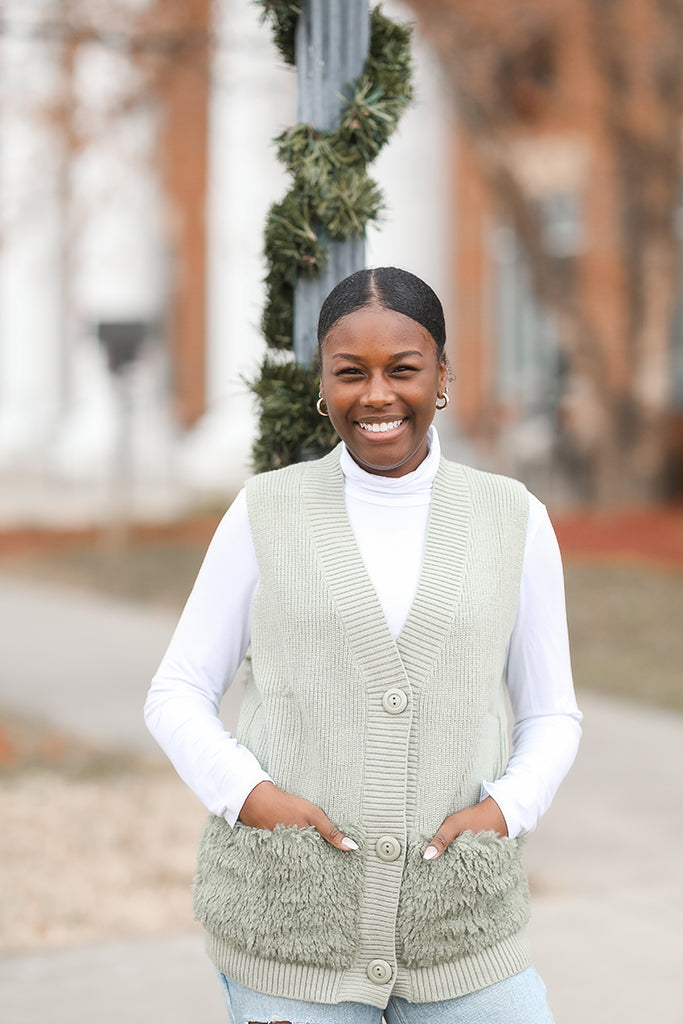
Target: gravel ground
[[94, 846]]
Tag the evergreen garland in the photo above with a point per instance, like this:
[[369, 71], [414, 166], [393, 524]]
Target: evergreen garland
[[332, 190]]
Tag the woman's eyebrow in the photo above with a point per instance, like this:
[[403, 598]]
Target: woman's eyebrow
[[396, 355]]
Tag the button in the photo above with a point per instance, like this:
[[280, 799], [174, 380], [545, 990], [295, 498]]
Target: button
[[379, 971], [388, 848], [394, 701]]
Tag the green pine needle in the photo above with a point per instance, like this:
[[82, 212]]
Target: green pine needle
[[282, 15], [291, 429]]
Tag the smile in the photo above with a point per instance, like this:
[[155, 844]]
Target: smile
[[381, 428]]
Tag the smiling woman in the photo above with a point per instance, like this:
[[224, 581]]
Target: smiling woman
[[381, 376], [365, 847], [382, 370]]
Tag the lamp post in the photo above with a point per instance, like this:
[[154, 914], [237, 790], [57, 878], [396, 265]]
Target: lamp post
[[122, 341], [332, 38]]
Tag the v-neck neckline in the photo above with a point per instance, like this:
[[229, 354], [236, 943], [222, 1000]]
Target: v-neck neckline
[[440, 582]]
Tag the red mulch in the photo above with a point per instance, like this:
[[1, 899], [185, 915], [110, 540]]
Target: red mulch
[[650, 535], [37, 540], [653, 535]]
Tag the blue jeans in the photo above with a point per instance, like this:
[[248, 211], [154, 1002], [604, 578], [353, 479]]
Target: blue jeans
[[517, 1000]]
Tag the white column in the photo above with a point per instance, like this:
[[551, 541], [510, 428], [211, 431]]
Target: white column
[[415, 171], [30, 238], [253, 99], [118, 273]]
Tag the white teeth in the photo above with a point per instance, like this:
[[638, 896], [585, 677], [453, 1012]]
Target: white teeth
[[380, 428]]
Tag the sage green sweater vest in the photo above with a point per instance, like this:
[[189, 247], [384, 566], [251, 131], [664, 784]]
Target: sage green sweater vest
[[388, 737]]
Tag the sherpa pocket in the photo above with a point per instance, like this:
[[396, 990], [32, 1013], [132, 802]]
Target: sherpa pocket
[[472, 896], [284, 895]]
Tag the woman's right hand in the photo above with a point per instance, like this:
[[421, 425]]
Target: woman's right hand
[[267, 806]]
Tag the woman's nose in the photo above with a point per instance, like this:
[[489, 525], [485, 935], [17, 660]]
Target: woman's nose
[[378, 392]]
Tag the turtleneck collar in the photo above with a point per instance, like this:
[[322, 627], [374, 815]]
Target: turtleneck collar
[[373, 486]]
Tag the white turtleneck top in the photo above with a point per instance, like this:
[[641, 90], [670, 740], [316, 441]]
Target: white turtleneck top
[[389, 519]]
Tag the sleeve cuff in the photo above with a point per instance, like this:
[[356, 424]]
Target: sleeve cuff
[[249, 778], [514, 825]]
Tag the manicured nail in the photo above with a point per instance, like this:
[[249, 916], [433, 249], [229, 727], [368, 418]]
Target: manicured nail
[[430, 853], [349, 844]]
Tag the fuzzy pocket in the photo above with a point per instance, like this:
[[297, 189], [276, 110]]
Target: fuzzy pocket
[[284, 895], [472, 896]]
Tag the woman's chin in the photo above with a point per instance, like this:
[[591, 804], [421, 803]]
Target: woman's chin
[[387, 459]]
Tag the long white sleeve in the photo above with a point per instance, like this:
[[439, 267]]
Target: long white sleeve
[[546, 730], [206, 650]]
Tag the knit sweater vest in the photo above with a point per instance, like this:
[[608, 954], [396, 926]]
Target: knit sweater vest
[[388, 737]]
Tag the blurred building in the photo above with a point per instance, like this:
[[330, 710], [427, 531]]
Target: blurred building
[[567, 226], [136, 169]]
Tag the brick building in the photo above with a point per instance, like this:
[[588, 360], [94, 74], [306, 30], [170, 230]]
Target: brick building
[[567, 225]]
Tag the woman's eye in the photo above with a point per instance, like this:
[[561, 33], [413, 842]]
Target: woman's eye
[[348, 371], [404, 369]]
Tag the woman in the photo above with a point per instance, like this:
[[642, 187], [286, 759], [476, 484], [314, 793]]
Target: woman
[[364, 851]]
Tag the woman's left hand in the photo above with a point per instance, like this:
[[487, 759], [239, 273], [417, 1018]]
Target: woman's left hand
[[483, 817]]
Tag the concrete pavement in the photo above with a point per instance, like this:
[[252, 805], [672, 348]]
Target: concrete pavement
[[83, 661], [605, 865], [144, 981]]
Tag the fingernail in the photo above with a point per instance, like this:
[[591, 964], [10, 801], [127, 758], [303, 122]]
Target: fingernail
[[349, 844], [430, 853]]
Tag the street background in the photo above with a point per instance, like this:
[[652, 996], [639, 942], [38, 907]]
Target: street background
[[535, 183]]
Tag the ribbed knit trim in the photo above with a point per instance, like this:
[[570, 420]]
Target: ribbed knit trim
[[291, 981], [441, 580], [467, 974], [367, 630], [318, 985]]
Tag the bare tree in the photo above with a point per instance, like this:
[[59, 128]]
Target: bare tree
[[611, 71]]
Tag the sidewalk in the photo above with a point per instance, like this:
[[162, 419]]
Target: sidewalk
[[605, 864], [144, 981]]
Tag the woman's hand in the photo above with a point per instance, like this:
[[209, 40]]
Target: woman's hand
[[483, 817], [267, 806]]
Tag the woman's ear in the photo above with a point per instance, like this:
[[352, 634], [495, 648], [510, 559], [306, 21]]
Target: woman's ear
[[443, 376]]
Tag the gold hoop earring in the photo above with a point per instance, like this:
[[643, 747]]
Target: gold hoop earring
[[319, 406], [445, 398]]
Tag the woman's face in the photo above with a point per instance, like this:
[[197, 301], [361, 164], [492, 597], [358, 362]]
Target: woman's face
[[380, 378]]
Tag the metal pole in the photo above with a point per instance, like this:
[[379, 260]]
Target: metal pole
[[332, 38]]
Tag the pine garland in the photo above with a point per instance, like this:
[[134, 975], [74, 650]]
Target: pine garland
[[290, 424], [333, 193], [282, 14]]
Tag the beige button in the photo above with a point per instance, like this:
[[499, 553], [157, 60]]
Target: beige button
[[388, 848], [379, 971], [394, 701]]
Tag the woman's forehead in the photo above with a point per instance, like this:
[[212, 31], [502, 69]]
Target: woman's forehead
[[374, 325]]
